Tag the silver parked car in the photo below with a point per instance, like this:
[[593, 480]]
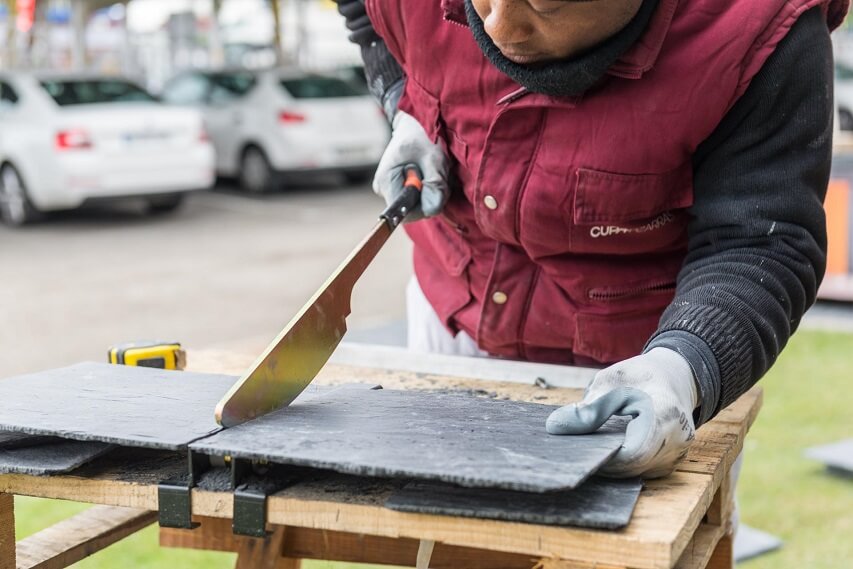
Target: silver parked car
[[267, 123]]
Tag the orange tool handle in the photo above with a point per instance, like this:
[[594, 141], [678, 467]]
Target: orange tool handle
[[408, 199]]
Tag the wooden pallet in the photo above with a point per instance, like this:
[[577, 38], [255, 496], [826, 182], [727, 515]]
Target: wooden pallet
[[680, 521]]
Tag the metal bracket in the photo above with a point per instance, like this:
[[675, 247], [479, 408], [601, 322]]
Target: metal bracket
[[250, 512], [250, 501], [252, 482], [175, 496]]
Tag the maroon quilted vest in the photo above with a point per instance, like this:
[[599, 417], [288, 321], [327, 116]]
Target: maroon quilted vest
[[568, 219]]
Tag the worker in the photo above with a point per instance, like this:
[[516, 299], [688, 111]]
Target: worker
[[635, 185]]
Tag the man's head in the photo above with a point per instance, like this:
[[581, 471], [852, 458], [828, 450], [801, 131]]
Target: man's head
[[536, 31]]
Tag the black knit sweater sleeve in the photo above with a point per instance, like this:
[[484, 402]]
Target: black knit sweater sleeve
[[385, 77], [757, 240]]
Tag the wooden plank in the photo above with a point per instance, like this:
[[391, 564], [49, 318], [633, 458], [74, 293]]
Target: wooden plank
[[708, 451], [744, 411], [265, 553], [212, 534], [7, 531], [720, 511], [306, 543], [723, 557], [566, 564], [718, 443], [93, 491], [78, 537], [667, 514], [701, 548]]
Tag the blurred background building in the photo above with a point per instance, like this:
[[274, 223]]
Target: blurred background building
[[151, 40]]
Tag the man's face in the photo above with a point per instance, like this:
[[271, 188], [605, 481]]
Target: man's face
[[536, 31]]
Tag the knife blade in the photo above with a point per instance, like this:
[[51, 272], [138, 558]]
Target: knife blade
[[294, 358]]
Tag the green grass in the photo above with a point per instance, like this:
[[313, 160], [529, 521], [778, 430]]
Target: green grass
[[808, 398]]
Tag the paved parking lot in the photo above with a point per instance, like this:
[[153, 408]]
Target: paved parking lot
[[227, 270]]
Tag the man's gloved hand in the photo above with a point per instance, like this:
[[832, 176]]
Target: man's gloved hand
[[410, 144], [659, 391]]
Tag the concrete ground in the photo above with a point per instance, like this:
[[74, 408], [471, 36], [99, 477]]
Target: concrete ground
[[227, 270]]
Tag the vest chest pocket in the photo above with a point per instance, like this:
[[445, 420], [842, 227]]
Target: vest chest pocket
[[619, 214], [424, 106]]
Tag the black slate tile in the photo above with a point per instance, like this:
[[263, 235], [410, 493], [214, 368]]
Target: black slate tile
[[128, 406], [10, 440], [838, 457], [459, 439], [598, 503], [52, 458]]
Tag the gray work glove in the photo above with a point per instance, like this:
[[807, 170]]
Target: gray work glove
[[659, 391], [410, 145]]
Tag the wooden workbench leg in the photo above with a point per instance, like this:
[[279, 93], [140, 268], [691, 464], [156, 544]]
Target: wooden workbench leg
[[723, 556], [7, 532], [265, 553]]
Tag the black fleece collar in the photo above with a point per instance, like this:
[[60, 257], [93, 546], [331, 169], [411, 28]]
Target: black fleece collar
[[571, 77]]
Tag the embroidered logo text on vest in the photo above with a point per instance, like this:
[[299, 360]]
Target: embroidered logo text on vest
[[662, 220]]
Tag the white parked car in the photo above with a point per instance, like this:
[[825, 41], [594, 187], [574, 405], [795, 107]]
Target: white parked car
[[265, 124], [70, 139]]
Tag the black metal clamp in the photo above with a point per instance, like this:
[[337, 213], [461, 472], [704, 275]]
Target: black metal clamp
[[252, 483], [249, 517], [175, 496]]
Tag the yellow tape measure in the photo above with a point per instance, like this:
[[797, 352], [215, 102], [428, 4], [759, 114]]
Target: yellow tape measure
[[161, 355]]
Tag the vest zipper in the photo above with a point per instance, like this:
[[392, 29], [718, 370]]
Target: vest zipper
[[514, 96], [610, 293], [447, 18]]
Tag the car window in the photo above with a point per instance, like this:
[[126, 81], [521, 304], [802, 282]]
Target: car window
[[317, 87], [227, 87], [843, 72], [68, 92], [7, 93], [8, 96], [187, 90]]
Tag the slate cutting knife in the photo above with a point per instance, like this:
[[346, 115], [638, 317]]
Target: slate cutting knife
[[295, 357]]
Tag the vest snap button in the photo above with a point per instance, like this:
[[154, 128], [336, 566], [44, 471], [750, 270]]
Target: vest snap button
[[490, 202], [499, 297]]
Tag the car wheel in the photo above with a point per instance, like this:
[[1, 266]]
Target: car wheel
[[845, 119], [165, 204], [256, 174], [15, 206], [358, 177]]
